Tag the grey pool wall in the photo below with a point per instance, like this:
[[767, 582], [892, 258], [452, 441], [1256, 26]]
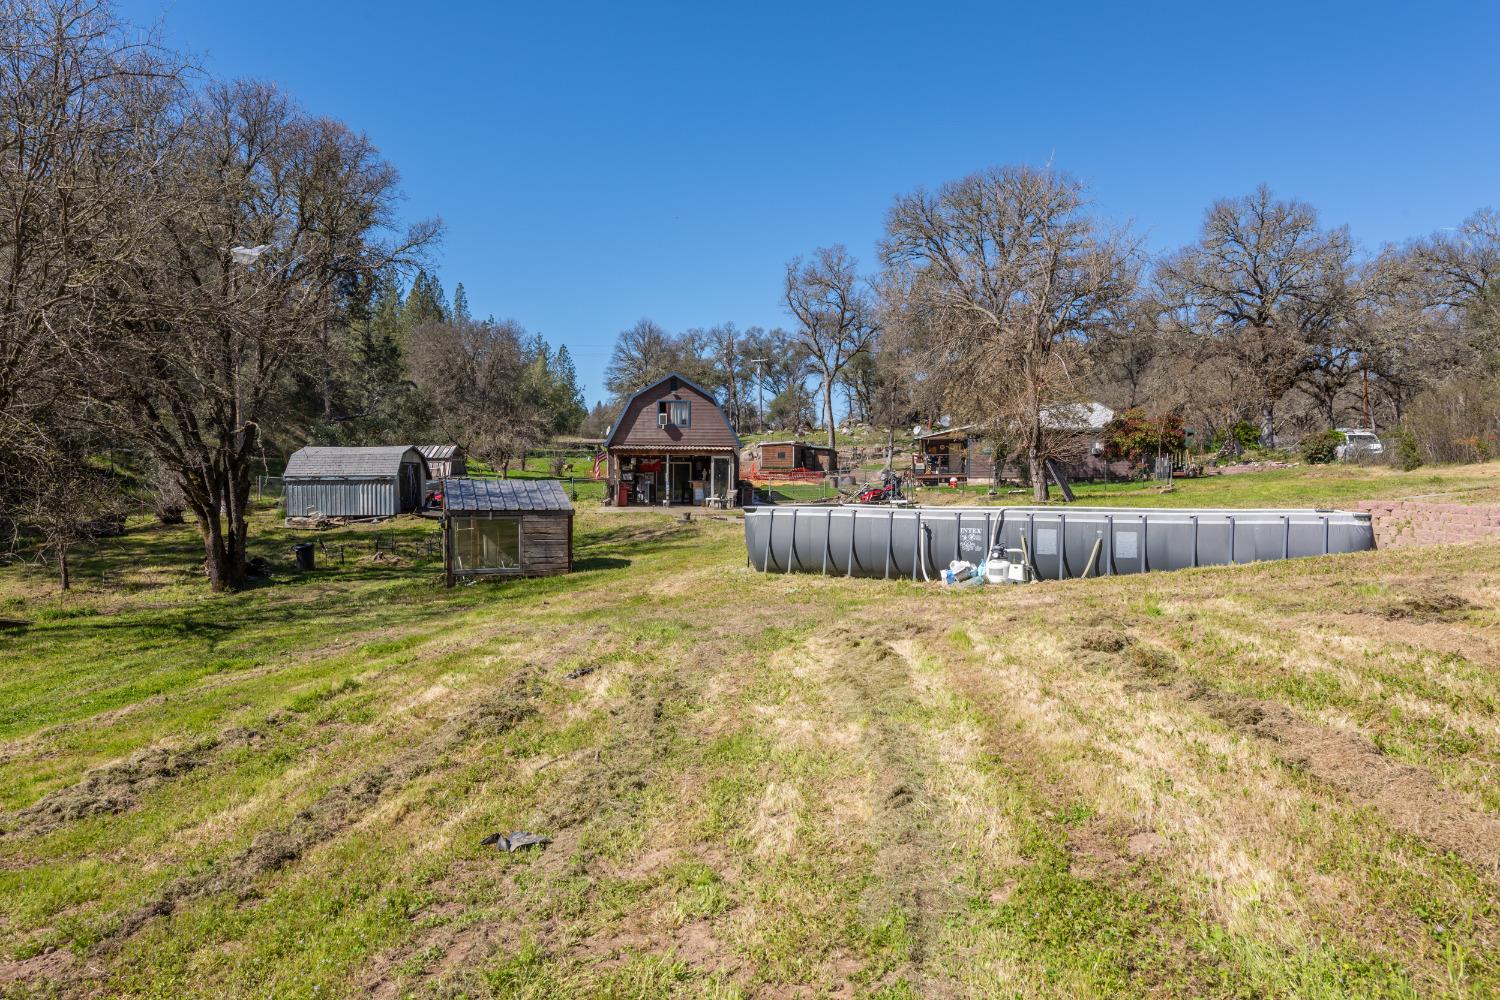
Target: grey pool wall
[[892, 542]]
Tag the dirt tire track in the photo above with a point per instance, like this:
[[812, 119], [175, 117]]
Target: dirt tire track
[[337, 809], [1405, 796], [863, 673], [595, 788]]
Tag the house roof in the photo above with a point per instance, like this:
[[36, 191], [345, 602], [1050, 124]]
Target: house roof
[[503, 496], [350, 463], [964, 429], [614, 428], [1077, 417], [437, 451]]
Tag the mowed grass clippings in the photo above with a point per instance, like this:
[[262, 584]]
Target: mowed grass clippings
[[1276, 780]]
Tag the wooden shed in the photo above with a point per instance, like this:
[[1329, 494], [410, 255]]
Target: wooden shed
[[672, 444], [790, 456], [444, 460], [354, 482], [953, 453], [506, 527]]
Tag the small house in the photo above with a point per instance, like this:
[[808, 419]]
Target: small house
[[444, 460], [1078, 428], [953, 453], [672, 444], [354, 482], [506, 527], [770, 457]]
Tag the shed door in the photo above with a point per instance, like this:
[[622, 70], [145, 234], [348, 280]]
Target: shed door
[[410, 488]]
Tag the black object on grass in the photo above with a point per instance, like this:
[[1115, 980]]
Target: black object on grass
[[515, 840]]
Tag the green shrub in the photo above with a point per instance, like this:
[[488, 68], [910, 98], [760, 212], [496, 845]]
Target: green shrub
[[1245, 434], [1321, 448], [1134, 435], [1403, 450]]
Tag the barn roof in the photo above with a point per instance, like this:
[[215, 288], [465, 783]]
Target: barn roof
[[614, 428], [437, 451], [500, 496], [342, 463]]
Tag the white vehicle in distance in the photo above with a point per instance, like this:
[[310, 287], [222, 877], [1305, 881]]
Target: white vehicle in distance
[[1358, 442]]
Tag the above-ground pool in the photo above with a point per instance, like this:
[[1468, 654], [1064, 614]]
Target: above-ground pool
[[1061, 542]]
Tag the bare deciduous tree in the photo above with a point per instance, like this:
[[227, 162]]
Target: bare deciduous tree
[[487, 390], [1462, 271], [643, 353], [76, 89], [835, 317], [71, 504], [1020, 276], [1127, 354], [247, 218], [1263, 285], [1413, 341]]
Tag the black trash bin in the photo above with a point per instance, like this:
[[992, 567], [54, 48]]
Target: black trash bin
[[304, 554]]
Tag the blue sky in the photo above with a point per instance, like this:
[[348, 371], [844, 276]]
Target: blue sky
[[596, 163]]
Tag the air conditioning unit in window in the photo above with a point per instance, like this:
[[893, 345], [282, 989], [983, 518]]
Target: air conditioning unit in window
[[661, 419]]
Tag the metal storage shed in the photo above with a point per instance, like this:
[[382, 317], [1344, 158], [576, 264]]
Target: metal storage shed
[[444, 460], [506, 527], [354, 482]]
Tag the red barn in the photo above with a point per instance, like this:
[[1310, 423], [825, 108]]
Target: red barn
[[672, 445]]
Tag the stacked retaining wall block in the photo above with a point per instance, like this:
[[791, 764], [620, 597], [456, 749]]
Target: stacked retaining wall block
[[1414, 522]]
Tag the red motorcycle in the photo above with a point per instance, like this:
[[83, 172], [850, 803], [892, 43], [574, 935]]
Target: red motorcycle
[[889, 491]]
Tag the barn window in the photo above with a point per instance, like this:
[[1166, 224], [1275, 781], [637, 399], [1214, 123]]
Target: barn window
[[486, 543], [676, 411]]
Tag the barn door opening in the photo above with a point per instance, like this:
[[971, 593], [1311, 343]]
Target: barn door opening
[[410, 490], [682, 483], [722, 487]]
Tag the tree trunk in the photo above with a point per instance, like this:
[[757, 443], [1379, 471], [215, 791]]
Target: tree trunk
[[224, 527], [215, 557], [828, 409], [62, 567], [1268, 424], [1036, 462], [1036, 466], [327, 376]]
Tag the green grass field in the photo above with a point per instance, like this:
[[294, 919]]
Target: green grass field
[[1299, 486], [1276, 780]]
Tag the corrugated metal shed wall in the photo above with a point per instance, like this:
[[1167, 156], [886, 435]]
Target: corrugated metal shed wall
[[342, 498]]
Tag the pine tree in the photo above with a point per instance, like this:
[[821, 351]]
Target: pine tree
[[571, 406], [460, 303], [425, 303]]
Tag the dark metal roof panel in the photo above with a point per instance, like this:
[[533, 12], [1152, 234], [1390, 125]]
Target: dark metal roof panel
[[315, 462], [502, 496], [626, 416]]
